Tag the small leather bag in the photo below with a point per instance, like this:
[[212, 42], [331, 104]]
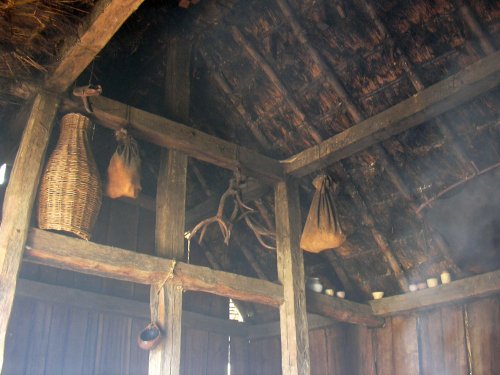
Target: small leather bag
[[124, 169]]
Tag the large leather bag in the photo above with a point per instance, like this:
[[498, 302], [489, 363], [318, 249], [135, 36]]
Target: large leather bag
[[322, 230]]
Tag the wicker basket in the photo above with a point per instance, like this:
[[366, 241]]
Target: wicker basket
[[70, 192]]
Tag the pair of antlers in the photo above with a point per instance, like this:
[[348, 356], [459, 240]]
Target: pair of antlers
[[240, 212]]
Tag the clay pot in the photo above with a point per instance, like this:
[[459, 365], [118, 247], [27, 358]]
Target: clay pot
[[314, 284], [149, 337]]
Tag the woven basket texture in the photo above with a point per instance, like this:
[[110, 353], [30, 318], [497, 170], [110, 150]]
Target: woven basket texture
[[70, 192]]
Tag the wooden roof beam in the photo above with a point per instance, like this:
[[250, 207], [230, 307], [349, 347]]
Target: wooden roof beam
[[170, 134], [94, 33], [418, 85], [461, 87], [356, 115]]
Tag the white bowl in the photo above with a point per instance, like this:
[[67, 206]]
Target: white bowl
[[377, 295]]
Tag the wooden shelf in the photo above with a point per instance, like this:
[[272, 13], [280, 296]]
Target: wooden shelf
[[456, 291]]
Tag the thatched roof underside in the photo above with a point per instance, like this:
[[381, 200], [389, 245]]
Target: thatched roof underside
[[279, 76]]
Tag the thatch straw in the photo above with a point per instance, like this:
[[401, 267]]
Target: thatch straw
[[32, 30]]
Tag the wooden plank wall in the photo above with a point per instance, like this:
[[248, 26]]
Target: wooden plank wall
[[447, 340], [425, 343], [51, 339], [334, 351]]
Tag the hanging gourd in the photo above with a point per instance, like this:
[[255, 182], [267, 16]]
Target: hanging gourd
[[322, 230], [70, 191], [124, 169]]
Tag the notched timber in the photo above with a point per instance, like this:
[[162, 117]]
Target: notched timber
[[77, 255], [342, 310], [456, 291], [171, 134], [472, 81]]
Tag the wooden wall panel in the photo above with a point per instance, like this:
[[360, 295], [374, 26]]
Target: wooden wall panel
[[317, 344], [53, 339], [432, 342], [484, 330], [240, 356], [455, 353]]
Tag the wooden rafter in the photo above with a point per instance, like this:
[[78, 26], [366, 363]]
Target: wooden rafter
[[417, 83], [93, 34], [273, 77], [367, 218], [357, 116], [469, 18], [228, 92], [465, 85], [167, 133]]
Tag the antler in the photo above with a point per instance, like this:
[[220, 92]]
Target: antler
[[226, 226]]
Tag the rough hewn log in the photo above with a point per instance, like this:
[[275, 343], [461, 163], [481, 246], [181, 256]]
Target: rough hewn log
[[295, 359], [78, 52], [456, 291], [342, 310], [91, 258], [18, 202], [472, 81], [120, 306], [166, 299], [173, 135]]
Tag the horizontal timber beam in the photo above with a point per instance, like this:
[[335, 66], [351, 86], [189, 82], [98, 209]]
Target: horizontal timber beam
[[120, 306], [342, 310], [455, 292], [459, 88], [77, 255], [170, 134]]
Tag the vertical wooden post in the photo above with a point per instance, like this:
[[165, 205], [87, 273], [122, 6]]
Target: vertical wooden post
[[166, 300], [18, 202], [293, 316]]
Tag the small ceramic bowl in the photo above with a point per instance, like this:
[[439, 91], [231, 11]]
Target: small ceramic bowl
[[445, 277], [377, 295], [413, 287], [341, 294], [432, 282], [149, 337], [329, 292]]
